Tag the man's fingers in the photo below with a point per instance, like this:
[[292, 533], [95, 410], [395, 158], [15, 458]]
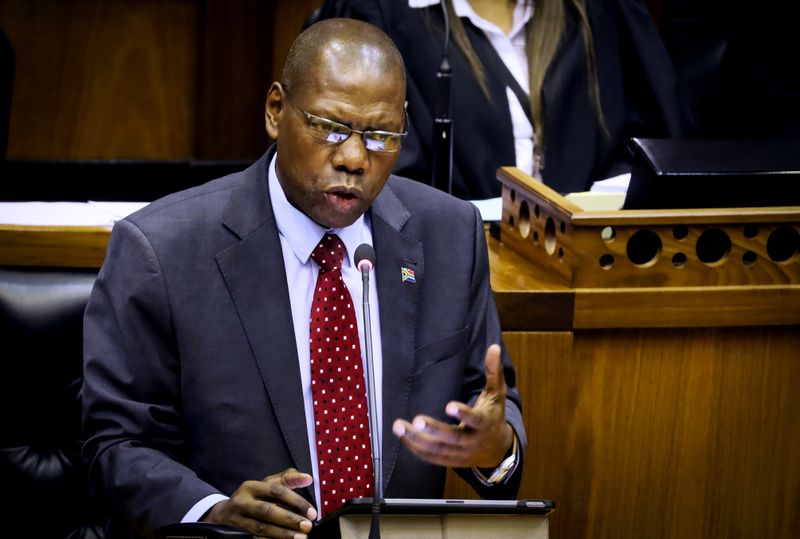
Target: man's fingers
[[295, 479], [266, 519], [264, 529], [471, 417], [434, 442], [479, 437], [441, 432], [493, 369], [266, 508], [281, 488]]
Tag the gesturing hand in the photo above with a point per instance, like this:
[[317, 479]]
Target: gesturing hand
[[481, 438], [268, 508]]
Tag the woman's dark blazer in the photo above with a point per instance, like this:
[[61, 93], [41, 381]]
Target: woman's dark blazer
[[638, 91]]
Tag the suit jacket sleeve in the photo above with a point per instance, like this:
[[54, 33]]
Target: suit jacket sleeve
[[134, 436], [486, 330]]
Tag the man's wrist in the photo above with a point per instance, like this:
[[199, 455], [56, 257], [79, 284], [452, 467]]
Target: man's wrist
[[506, 468]]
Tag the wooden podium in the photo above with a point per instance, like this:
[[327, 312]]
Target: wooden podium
[[658, 358]]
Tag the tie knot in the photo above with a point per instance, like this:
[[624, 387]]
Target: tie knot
[[329, 252]]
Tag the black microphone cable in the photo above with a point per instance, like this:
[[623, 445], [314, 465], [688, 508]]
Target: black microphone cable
[[442, 177]]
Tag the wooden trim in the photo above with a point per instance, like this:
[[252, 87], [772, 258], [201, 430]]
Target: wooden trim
[[56, 246], [687, 307]]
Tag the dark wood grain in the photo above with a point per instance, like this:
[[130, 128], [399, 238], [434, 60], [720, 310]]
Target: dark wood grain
[[149, 79], [102, 79]]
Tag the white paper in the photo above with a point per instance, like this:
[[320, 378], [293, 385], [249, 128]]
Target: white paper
[[615, 184], [119, 210], [491, 209], [597, 200], [65, 213]]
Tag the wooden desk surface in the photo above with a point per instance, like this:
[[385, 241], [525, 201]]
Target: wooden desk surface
[[529, 297], [53, 246]]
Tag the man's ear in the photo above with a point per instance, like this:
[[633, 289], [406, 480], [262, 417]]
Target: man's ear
[[273, 109]]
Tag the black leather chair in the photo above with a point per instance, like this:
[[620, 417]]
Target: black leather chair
[[43, 478]]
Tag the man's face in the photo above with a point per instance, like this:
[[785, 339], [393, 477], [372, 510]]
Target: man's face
[[334, 183]]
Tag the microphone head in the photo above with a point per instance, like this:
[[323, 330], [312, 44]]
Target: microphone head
[[365, 257]]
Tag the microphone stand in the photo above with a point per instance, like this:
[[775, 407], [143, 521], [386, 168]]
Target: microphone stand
[[442, 123], [377, 497]]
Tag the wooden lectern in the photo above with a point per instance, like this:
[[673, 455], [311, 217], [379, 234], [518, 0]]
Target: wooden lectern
[[656, 353]]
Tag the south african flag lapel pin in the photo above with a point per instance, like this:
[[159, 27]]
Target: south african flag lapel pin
[[407, 275]]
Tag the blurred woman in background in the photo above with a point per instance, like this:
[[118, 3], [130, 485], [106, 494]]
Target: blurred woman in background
[[554, 87]]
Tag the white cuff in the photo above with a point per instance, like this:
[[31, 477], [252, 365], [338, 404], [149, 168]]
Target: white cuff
[[200, 508]]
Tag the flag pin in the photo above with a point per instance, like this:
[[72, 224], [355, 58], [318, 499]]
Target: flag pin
[[407, 275]]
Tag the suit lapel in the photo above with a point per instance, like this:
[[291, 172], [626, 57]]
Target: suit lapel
[[398, 301], [256, 278]]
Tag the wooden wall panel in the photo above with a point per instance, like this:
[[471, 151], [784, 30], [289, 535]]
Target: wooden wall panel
[[145, 79], [290, 15], [102, 79], [235, 67], [662, 433], [685, 433]]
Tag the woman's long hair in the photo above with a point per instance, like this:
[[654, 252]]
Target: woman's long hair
[[543, 38]]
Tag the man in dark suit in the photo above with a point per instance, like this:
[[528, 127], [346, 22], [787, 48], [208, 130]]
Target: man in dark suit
[[198, 387]]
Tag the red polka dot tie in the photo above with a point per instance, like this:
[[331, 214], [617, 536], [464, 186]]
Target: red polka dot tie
[[341, 422]]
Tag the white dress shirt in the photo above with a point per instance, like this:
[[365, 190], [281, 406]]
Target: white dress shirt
[[299, 235]]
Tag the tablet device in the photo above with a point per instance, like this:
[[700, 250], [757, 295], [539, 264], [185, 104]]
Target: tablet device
[[328, 527]]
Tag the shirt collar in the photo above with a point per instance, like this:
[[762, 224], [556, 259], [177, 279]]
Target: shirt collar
[[302, 233], [522, 13]]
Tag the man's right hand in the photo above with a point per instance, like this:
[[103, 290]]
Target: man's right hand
[[268, 508]]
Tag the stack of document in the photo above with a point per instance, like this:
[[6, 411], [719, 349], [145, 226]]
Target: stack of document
[[608, 194], [66, 213]]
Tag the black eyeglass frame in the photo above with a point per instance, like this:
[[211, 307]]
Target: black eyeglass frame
[[346, 131]]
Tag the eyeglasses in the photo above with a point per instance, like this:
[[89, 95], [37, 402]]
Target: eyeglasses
[[336, 133]]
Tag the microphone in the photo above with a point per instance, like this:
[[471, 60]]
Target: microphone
[[365, 262], [442, 177]]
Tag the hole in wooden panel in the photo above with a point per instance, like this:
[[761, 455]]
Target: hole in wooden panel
[[643, 247], [524, 219], [608, 234], [513, 195], [782, 244], [680, 232], [750, 231], [607, 261], [550, 236], [713, 246], [749, 258], [679, 260]]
